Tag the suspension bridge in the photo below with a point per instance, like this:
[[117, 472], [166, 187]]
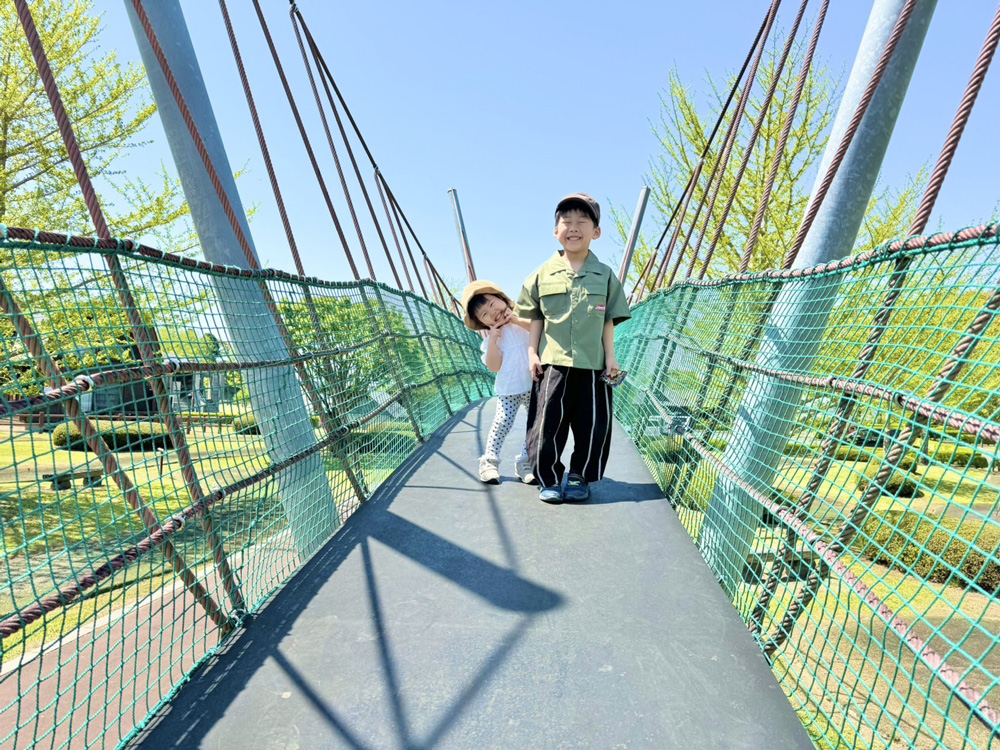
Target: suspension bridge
[[238, 507]]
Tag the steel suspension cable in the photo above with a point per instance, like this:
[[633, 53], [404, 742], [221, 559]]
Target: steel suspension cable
[[852, 128], [693, 178], [731, 141], [748, 150], [272, 307], [765, 198], [314, 49], [325, 68], [727, 144], [308, 145]]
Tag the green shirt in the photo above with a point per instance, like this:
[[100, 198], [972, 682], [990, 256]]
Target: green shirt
[[575, 307]]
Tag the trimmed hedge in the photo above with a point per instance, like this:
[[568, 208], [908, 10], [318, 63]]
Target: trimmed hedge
[[940, 550], [117, 436], [961, 456], [246, 424], [897, 485], [800, 449], [850, 453]]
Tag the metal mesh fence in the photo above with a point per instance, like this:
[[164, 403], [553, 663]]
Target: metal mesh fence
[[829, 440], [152, 494]]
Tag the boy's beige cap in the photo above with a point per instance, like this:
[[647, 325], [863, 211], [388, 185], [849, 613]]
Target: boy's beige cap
[[582, 201], [480, 287]]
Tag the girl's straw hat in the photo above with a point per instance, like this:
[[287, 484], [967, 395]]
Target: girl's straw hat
[[480, 287]]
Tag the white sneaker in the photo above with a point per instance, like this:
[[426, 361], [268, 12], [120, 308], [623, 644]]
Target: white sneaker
[[488, 471], [523, 471]]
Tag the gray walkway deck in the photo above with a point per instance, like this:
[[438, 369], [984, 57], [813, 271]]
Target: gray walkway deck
[[449, 614]]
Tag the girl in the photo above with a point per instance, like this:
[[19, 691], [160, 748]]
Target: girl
[[505, 352]]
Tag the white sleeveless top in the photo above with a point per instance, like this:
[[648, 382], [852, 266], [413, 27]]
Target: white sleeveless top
[[514, 376]]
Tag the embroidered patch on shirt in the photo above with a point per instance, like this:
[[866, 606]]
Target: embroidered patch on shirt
[[600, 308]]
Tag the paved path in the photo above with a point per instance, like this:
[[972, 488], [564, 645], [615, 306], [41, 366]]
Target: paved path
[[450, 614]]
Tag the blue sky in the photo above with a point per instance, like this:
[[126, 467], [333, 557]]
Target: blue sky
[[516, 104]]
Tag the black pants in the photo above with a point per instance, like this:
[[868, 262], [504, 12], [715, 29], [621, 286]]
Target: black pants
[[569, 398]]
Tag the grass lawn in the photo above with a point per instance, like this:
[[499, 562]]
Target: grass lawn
[[51, 537]]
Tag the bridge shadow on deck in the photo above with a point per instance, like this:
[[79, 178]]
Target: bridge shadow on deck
[[451, 614]]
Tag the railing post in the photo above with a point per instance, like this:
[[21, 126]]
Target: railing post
[[463, 237], [633, 235]]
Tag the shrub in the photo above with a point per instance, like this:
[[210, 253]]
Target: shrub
[[799, 449], [849, 453], [906, 462], [117, 436], [960, 456], [245, 424], [897, 485], [940, 550]]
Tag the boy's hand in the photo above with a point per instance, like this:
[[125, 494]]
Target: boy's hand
[[611, 367], [536, 366]]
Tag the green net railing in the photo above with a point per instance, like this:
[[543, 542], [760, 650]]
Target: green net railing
[[829, 440], [153, 494]]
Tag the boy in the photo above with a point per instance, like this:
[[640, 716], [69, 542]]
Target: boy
[[573, 302]]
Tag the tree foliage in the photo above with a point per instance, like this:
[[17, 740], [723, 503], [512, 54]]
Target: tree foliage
[[109, 107], [686, 119]]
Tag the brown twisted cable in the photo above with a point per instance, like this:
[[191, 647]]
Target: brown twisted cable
[[392, 227], [748, 149], [852, 128], [333, 150], [143, 335], [402, 233], [765, 198], [261, 140], [957, 127], [308, 146], [693, 178], [322, 67], [727, 145], [731, 141], [321, 61], [638, 291]]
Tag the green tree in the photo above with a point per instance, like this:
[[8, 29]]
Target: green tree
[[686, 118], [347, 380], [109, 107]]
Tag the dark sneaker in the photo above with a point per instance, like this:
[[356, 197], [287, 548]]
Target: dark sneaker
[[550, 495], [577, 489]]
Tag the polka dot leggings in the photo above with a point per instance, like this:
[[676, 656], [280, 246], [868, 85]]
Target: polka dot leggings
[[502, 422]]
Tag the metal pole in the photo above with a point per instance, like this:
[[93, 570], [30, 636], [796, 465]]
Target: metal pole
[[633, 235], [463, 238], [798, 318], [275, 394]]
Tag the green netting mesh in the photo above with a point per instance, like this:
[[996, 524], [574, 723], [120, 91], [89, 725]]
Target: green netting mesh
[[219, 460], [849, 509]]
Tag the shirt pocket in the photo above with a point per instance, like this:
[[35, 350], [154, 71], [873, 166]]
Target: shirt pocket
[[553, 296], [597, 295]]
